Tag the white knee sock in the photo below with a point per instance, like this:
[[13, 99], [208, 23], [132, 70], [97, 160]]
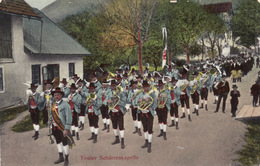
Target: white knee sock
[[96, 131], [201, 101], [139, 124], [122, 133], [59, 146], [161, 126], [116, 132], [188, 110], [135, 123], [150, 136], [34, 126], [77, 129], [146, 135], [104, 120], [197, 106], [91, 129], [206, 102], [172, 117], [108, 121], [182, 108], [37, 127], [72, 128], [66, 149], [164, 127], [177, 119]]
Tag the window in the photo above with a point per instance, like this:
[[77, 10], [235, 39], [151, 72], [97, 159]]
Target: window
[[36, 75], [1, 79], [5, 37], [71, 69]]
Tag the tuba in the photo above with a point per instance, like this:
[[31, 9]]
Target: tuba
[[91, 96], [115, 98], [162, 99], [143, 105], [110, 75]]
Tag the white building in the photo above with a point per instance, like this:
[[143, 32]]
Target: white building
[[33, 49]]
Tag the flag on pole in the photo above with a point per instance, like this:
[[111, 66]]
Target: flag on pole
[[164, 57], [164, 32]]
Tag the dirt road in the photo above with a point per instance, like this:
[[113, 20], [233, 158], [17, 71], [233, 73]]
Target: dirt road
[[210, 139]]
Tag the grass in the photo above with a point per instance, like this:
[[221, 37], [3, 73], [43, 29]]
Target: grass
[[250, 154], [10, 113], [26, 124]]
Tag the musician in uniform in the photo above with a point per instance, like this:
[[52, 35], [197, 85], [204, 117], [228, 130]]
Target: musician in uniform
[[35, 104], [75, 78], [95, 81], [147, 114], [185, 95], [61, 122], [195, 84], [82, 91], [74, 100], [214, 81], [117, 111], [204, 89], [104, 108], [234, 100], [223, 90], [120, 82], [93, 104], [175, 102], [163, 106], [139, 81], [48, 85], [64, 88], [136, 116]]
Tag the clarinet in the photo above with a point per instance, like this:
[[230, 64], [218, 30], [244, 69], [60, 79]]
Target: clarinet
[[49, 112]]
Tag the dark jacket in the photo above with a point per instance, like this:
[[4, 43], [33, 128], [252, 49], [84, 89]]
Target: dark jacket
[[255, 89], [234, 97], [223, 88]]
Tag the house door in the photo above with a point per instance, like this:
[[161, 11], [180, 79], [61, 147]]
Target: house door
[[52, 72]]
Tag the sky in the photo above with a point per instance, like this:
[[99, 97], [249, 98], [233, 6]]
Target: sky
[[40, 4]]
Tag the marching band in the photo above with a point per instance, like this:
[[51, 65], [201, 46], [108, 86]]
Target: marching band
[[154, 94]]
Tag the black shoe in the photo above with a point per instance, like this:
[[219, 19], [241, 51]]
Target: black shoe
[[36, 135], [149, 149], [92, 136], [189, 118], [95, 139], [77, 135], [161, 134], [206, 107], [73, 133], [177, 128], [183, 115], [145, 144], [201, 106], [66, 163], [117, 141], [173, 124], [139, 132], [215, 102], [223, 111], [105, 127], [215, 111], [60, 160], [164, 136], [136, 130], [122, 143], [197, 112]]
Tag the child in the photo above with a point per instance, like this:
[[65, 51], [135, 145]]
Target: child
[[234, 100]]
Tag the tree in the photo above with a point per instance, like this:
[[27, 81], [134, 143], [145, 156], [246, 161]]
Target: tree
[[215, 28], [187, 25], [129, 24], [246, 23]]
